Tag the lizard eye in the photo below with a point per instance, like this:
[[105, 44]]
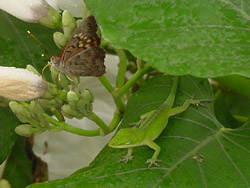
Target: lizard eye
[[128, 142]]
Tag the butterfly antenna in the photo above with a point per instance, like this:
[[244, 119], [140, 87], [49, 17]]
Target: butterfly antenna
[[48, 64], [34, 37]]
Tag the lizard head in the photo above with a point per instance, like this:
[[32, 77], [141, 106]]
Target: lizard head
[[125, 138]]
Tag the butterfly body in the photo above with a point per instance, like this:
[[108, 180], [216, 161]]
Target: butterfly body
[[82, 55]]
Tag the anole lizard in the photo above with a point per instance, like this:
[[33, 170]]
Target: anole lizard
[[150, 127]]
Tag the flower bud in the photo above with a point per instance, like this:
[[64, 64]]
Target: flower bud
[[68, 23], [32, 69], [47, 103], [66, 109], [59, 39], [52, 19], [37, 113], [20, 84], [83, 106], [72, 99], [20, 111], [25, 130], [88, 95]]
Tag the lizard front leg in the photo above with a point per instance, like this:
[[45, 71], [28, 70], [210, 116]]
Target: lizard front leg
[[154, 159], [127, 157]]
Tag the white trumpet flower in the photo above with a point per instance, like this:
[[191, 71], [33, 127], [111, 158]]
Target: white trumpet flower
[[27, 10], [33, 10], [20, 84]]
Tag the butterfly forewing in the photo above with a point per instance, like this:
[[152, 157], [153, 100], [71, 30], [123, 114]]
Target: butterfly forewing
[[82, 55]]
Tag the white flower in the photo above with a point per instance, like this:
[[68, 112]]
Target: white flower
[[27, 10], [75, 7], [68, 152], [33, 10], [20, 84]]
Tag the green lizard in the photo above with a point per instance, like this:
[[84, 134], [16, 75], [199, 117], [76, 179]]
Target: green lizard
[[150, 127]]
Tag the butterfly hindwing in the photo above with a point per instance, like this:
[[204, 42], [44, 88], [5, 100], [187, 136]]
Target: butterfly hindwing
[[89, 62]]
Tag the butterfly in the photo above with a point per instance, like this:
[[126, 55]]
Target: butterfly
[[82, 56]]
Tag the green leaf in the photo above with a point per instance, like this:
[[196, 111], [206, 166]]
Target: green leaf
[[227, 105], [18, 48], [8, 123], [193, 133], [202, 38], [18, 170]]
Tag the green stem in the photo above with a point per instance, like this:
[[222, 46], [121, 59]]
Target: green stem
[[139, 73], [58, 115], [92, 116], [115, 121], [69, 128], [122, 68], [118, 101], [106, 83]]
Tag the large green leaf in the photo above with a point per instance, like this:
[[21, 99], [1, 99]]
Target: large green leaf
[[17, 48], [203, 38], [193, 133], [18, 170], [8, 122]]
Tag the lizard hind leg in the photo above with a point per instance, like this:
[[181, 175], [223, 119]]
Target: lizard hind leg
[[142, 118]]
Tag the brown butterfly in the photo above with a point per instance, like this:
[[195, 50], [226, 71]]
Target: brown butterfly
[[82, 56]]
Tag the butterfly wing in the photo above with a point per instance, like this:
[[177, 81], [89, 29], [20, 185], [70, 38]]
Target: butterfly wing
[[89, 62], [84, 37]]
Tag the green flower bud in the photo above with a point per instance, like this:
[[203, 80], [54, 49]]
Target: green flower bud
[[52, 19], [65, 114], [32, 69], [59, 39], [68, 23], [66, 109], [47, 103], [51, 91], [87, 94], [37, 113], [25, 130], [22, 113], [63, 81], [54, 74], [83, 106], [72, 99], [73, 79], [4, 184]]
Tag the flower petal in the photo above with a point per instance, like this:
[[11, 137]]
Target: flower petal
[[20, 84]]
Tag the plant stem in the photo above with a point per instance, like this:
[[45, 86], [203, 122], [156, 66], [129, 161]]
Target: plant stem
[[115, 121], [139, 73], [58, 115], [118, 102], [69, 128], [122, 68], [92, 116], [106, 83]]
